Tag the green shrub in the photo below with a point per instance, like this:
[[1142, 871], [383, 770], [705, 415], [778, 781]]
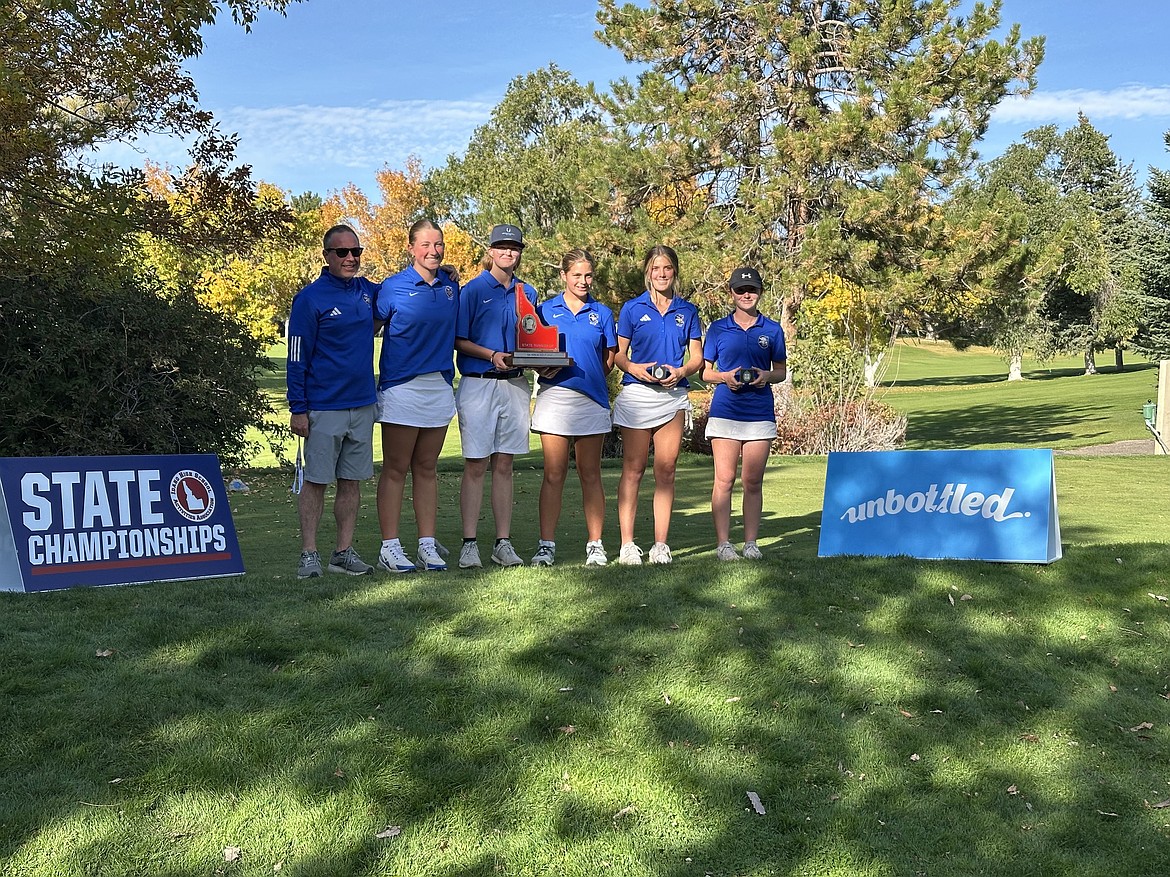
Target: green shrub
[[94, 363]]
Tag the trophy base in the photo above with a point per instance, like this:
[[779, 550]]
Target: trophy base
[[541, 359]]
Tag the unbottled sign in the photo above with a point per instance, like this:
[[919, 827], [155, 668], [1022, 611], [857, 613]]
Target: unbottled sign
[[978, 505], [81, 521]]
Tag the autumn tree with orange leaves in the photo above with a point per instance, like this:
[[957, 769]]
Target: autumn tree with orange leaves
[[383, 226]]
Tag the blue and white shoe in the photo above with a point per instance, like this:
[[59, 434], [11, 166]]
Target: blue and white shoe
[[394, 559], [429, 558]]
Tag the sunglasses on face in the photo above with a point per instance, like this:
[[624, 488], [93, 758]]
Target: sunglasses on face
[[342, 252]]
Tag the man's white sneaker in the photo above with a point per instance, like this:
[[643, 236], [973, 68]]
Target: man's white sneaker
[[660, 553], [429, 558], [630, 554], [546, 555], [394, 559], [751, 551], [505, 555], [595, 554], [726, 551], [469, 556]]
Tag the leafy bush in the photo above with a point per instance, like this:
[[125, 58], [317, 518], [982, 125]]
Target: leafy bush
[[100, 363]]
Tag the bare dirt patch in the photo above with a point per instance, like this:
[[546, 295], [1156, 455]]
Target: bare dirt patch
[[1134, 448]]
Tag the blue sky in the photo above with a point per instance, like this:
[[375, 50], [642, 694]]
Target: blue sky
[[332, 91]]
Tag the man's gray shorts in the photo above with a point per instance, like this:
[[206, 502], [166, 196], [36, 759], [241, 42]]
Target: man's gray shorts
[[340, 445]]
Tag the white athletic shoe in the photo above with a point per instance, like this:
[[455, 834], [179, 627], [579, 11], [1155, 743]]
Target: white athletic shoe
[[395, 560], [595, 554], [751, 551], [469, 556], [726, 551], [430, 559], [505, 555], [660, 553], [631, 554]]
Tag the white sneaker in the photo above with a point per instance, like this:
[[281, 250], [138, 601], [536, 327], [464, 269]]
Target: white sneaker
[[726, 551], [429, 558], [751, 551], [395, 560], [595, 554], [546, 555], [631, 554], [660, 553], [505, 555], [469, 556]]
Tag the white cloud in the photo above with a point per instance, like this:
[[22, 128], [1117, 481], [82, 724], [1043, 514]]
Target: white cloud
[[357, 137], [322, 148], [1126, 102]]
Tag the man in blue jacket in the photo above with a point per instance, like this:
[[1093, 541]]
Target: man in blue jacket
[[332, 395]]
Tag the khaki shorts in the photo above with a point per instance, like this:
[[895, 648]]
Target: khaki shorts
[[340, 445], [493, 416]]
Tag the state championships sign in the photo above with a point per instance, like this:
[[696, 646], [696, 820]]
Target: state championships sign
[[83, 521]]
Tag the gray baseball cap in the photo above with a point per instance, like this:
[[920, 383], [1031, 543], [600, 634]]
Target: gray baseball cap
[[506, 234]]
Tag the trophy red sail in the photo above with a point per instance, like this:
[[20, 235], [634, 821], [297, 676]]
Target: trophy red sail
[[537, 344]]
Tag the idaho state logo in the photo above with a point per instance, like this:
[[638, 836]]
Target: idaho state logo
[[192, 495]]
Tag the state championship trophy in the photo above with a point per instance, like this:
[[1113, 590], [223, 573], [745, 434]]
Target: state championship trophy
[[537, 345]]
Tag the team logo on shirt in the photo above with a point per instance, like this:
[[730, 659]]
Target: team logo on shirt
[[594, 320], [678, 320], [763, 341], [366, 299], [450, 292]]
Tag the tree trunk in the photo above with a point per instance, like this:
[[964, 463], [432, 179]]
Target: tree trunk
[[1090, 362], [1016, 367], [1119, 358]]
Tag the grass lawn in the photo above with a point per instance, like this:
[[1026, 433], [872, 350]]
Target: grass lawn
[[894, 717]]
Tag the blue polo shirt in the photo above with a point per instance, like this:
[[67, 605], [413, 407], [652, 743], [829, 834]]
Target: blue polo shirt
[[730, 347], [419, 337], [588, 334], [487, 316], [658, 338], [331, 345]]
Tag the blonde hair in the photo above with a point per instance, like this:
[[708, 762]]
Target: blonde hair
[[667, 253]]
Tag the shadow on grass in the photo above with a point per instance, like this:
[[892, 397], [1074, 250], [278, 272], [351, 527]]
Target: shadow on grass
[[1037, 374], [575, 721], [966, 426]]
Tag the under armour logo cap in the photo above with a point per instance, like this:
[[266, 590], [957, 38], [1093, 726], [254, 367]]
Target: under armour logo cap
[[743, 278], [506, 234]]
